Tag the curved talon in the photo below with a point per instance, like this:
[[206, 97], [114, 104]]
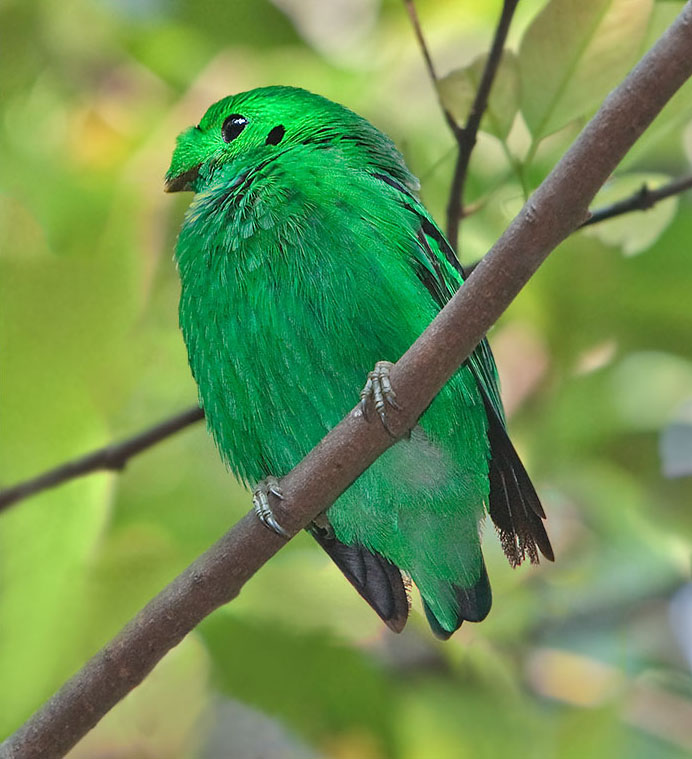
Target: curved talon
[[365, 393], [260, 503], [379, 388]]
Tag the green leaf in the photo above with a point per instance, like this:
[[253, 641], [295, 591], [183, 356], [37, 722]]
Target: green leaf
[[312, 682], [44, 545], [636, 231], [666, 130], [573, 54], [458, 89], [648, 386]]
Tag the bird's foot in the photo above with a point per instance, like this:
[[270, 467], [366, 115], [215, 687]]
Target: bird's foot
[[260, 503], [322, 525], [379, 389]]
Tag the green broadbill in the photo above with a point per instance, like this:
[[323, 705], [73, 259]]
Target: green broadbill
[[306, 258]]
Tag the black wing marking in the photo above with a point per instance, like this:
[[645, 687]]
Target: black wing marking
[[377, 580], [514, 506]]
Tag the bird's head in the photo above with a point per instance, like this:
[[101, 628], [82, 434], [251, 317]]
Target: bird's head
[[243, 130]]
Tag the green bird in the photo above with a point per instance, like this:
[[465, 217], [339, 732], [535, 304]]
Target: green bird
[[306, 258]]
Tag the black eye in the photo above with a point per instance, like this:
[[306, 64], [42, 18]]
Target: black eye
[[233, 126], [276, 135]]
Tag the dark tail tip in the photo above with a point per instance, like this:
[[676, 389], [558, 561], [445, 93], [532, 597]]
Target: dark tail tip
[[475, 602], [436, 627], [474, 605], [377, 580]]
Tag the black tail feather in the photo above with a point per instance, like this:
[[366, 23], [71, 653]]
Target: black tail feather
[[377, 580], [475, 602], [514, 507]]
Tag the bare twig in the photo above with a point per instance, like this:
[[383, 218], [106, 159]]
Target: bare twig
[[557, 207], [112, 457], [415, 23], [466, 137], [641, 200]]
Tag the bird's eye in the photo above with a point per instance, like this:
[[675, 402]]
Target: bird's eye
[[233, 126], [276, 135]]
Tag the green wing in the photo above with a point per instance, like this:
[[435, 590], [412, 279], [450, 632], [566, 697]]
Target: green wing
[[514, 506]]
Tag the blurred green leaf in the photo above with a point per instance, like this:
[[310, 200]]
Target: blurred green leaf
[[573, 53], [648, 386], [315, 683], [458, 90], [449, 720]]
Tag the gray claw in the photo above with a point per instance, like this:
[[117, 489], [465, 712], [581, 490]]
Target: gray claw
[[379, 388], [260, 503], [365, 393]]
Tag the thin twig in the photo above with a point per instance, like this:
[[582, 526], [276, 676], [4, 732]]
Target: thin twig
[[415, 23], [112, 457], [557, 207], [466, 137], [641, 200]]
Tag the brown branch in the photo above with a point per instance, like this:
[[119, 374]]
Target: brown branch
[[641, 200], [466, 137], [557, 207], [112, 457]]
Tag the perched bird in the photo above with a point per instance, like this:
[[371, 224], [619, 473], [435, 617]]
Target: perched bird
[[306, 258]]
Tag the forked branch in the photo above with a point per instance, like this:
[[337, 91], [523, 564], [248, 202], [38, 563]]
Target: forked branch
[[465, 135]]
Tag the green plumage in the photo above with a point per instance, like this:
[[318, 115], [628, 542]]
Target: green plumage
[[306, 257]]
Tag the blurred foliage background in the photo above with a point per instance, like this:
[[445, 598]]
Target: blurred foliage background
[[587, 657]]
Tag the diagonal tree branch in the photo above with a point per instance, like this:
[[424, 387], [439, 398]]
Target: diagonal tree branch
[[466, 137], [113, 457], [641, 200], [557, 207]]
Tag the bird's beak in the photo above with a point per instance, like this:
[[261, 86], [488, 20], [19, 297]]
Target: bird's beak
[[181, 182]]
